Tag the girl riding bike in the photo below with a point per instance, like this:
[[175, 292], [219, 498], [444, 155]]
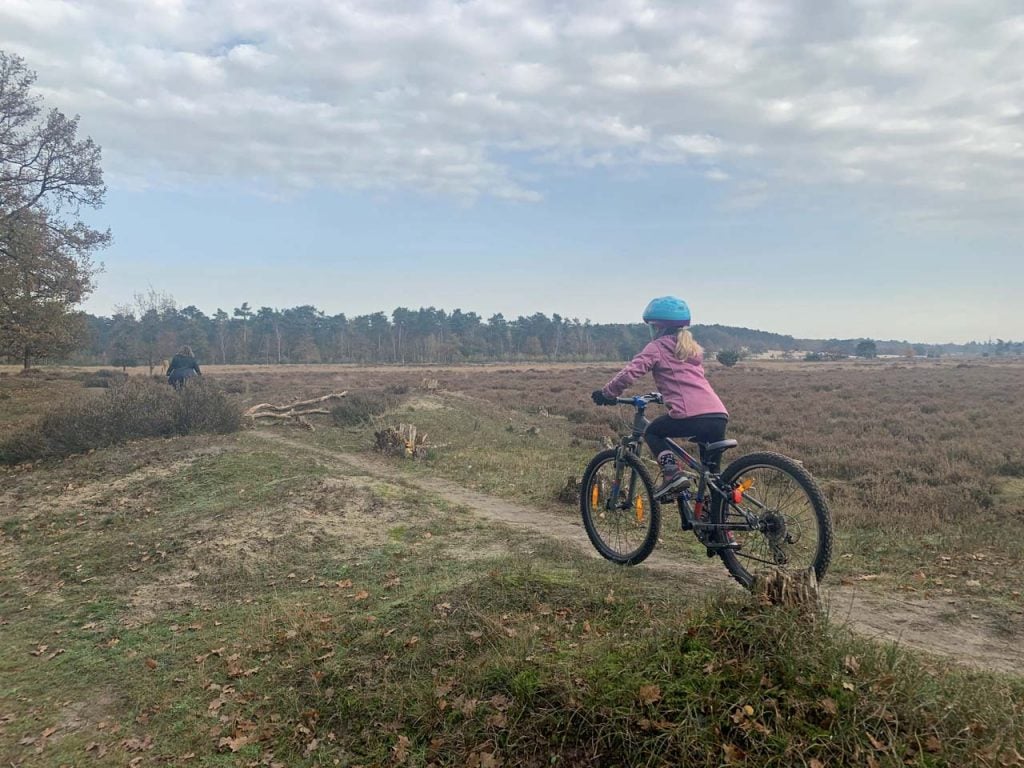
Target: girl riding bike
[[676, 361]]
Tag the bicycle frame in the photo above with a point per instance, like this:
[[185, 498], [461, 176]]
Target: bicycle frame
[[707, 480]]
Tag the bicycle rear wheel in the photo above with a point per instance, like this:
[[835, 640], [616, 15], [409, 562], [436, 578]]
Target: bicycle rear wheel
[[794, 527], [621, 518]]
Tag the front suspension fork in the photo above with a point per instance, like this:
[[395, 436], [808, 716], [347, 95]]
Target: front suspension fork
[[616, 492]]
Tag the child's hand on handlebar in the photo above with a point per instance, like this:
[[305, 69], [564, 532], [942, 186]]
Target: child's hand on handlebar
[[600, 398]]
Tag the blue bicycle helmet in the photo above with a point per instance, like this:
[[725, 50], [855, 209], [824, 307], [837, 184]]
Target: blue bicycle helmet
[[667, 312]]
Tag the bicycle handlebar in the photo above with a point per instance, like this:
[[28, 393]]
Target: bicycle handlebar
[[636, 400]]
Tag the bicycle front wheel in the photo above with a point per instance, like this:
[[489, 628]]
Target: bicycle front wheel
[[620, 514], [793, 525]]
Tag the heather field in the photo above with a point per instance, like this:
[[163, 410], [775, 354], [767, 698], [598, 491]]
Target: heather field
[[280, 596]]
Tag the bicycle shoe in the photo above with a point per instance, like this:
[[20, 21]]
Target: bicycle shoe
[[672, 483]]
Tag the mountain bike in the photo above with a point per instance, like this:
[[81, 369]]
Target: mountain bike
[[763, 512]]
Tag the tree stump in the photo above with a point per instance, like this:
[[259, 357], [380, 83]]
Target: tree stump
[[797, 590], [403, 440], [570, 492]]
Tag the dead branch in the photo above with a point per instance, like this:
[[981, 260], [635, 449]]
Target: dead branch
[[300, 405], [293, 412]]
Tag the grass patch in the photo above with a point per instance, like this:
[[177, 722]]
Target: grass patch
[[529, 662]]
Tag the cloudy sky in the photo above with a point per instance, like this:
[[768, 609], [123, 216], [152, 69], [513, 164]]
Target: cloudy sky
[[810, 167]]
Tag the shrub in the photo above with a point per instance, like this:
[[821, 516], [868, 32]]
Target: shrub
[[104, 378], [1011, 468], [729, 357], [202, 407], [360, 407], [135, 409], [579, 415]]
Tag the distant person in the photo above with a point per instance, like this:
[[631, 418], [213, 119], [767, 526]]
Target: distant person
[[183, 367], [677, 362]]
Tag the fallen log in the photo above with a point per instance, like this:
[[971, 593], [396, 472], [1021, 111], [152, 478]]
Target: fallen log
[[293, 412]]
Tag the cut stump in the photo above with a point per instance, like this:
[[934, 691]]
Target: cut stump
[[403, 440], [789, 589]]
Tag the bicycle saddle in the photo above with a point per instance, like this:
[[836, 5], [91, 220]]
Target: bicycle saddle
[[721, 445]]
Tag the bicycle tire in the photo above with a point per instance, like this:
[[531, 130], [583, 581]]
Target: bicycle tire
[[735, 560], [593, 513]]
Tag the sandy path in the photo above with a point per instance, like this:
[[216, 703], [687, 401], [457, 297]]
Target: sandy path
[[914, 623]]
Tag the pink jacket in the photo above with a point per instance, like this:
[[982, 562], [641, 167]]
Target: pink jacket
[[681, 382]]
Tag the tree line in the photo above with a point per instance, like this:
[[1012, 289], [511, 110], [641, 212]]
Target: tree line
[[152, 328]]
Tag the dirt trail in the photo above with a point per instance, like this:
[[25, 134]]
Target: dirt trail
[[914, 623]]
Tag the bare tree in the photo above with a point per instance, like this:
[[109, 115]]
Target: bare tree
[[152, 309]]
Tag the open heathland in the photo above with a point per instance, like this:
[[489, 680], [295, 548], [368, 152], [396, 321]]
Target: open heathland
[[287, 597]]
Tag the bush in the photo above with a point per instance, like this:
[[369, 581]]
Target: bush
[[360, 407], [132, 410], [203, 407], [104, 378], [729, 357], [579, 415]]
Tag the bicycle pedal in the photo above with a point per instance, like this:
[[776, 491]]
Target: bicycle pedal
[[714, 547]]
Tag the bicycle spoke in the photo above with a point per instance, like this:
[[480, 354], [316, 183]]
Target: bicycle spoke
[[785, 515], [623, 526]]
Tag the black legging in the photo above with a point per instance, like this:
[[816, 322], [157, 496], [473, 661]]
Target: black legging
[[706, 428]]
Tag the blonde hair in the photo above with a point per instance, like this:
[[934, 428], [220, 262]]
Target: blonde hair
[[687, 347]]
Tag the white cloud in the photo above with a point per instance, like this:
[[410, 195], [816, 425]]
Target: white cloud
[[918, 96]]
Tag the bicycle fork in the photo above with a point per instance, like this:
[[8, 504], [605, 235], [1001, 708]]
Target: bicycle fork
[[616, 490]]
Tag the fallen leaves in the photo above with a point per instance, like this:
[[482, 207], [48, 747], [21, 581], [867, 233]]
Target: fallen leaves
[[138, 745], [649, 694], [733, 754], [40, 651], [400, 751], [234, 743], [880, 746]]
